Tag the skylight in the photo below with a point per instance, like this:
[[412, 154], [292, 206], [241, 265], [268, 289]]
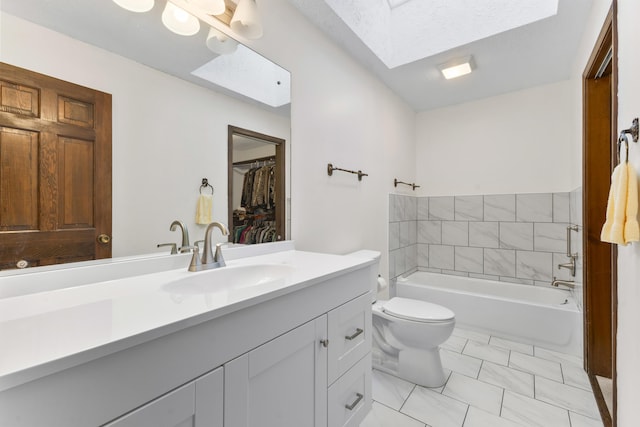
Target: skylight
[[403, 31], [249, 74]]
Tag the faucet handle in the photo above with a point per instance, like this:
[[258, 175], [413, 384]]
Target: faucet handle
[[174, 247], [218, 255], [195, 264]]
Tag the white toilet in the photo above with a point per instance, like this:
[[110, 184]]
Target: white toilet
[[406, 335]]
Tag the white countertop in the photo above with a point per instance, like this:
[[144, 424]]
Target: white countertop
[[46, 332]]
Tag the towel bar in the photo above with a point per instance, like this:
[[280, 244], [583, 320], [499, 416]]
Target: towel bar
[[412, 185], [331, 168]]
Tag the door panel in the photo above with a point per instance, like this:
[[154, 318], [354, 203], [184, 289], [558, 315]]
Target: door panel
[[55, 170]]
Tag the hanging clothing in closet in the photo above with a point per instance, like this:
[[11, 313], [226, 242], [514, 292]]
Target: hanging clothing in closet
[[259, 187]]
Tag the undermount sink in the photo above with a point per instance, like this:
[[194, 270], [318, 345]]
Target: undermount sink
[[229, 278]]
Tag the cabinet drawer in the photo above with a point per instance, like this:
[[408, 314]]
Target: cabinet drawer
[[349, 333], [349, 397]]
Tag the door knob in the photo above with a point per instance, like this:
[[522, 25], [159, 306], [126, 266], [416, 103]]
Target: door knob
[[104, 239]]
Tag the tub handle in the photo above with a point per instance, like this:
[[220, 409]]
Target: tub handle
[[352, 337]]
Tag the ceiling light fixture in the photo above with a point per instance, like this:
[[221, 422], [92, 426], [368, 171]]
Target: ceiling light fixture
[[218, 42], [246, 20], [179, 20], [135, 5], [211, 7], [457, 67]]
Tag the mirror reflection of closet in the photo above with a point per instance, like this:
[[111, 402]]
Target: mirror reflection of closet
[[256, 187]]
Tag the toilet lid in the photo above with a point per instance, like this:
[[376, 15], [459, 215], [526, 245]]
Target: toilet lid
[[416, 310]]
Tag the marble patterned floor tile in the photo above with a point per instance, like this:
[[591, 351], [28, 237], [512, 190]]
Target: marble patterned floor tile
[[382, 416], [434, 409], [555, 356], [480, 337], [575, 376], [389, 390], [568, 397], [487, 352], [479, 418], [507, 378], [578, 420], [532, 412], [536, 366], [456, 362], [454, 343], [511, 345], [475, 393]]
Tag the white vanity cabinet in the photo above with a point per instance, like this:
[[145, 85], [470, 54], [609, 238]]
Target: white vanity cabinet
[[280, 383], [292, 353], [196, 404], [285, 382]]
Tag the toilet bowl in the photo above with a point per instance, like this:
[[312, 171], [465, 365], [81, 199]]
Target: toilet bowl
[[407, 334]]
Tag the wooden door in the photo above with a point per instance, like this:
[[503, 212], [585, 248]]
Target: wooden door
[[55, 170]]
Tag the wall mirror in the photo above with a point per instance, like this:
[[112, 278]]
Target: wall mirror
[[170, 128], [257, 187]]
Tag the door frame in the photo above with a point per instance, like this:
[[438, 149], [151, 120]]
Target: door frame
[[600, 259]]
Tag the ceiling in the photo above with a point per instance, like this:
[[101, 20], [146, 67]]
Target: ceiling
[[533, 54], [537, 53]]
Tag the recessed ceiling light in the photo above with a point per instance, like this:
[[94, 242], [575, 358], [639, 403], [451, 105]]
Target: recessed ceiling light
[[457, 67]]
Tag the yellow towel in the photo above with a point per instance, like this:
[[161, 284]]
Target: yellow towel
[[613, 228], [631, 229], [204, 209]]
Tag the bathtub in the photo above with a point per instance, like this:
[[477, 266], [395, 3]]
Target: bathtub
[[545, 317]]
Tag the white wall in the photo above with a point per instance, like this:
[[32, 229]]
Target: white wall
[[519, 142], [343, 115], [164, 140], [628, 337]]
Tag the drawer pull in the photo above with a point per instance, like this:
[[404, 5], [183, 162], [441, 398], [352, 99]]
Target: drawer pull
[[355, 402], [351, 337]]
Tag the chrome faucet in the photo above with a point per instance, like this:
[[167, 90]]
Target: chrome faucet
[[568, 283], [184, 246], [209, 260]]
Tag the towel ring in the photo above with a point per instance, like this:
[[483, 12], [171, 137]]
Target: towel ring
[[205, 184], [623, 138]]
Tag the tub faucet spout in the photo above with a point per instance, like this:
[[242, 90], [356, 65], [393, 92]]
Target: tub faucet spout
[[568, 283]]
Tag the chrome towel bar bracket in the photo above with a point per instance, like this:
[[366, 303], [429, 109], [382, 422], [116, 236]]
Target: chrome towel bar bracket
[[412, 184]]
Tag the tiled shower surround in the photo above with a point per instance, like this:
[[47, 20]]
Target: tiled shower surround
[[517, 238]]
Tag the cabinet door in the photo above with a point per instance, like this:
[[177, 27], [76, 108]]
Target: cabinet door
[[174, 409], [281, 383], [196, 404], [349, 335]]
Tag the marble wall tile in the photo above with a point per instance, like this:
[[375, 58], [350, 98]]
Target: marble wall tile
[[400, 260], [411, 254], [484, 234], [500, 207], [468, 208], [413, 232], [423, 255], [455, 233], [561, 207], [410, 208], [484, 276], [552, 237], [392, 263], [500, 262], [470, 260], [441, 257], [534, 265], [561, 273], [394, 235], [404, 234], [441, 208], [517, 281], [534, 207], [430, 232], [395, 208], [455, 273], [516, 235], [423, 208], [575, 198]]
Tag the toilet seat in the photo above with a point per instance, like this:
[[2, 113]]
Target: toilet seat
[[417, 310]]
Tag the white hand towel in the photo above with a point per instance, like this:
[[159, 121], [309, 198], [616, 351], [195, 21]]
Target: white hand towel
[[613, 228], [631, 228], [204, 209]]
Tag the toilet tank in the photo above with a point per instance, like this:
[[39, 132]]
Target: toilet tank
[[370, 254]]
